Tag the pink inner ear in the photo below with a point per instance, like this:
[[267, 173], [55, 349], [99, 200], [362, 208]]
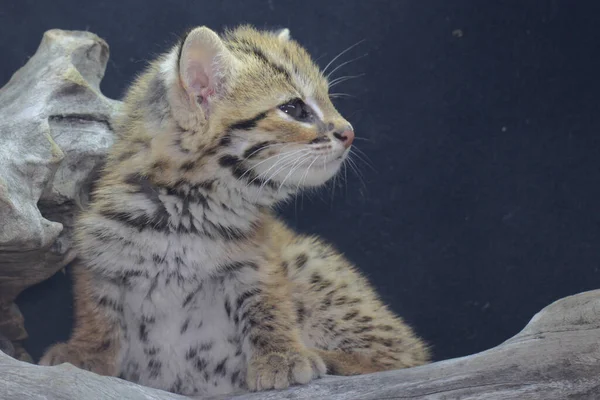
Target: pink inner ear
[[197, 80]]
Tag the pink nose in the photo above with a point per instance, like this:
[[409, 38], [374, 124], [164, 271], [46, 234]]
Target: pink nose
[[346, 137]]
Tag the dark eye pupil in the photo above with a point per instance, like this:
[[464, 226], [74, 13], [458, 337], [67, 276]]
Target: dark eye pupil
[[296, 109]]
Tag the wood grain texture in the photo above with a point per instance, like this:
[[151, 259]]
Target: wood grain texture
[[54, 133], [555, 357]]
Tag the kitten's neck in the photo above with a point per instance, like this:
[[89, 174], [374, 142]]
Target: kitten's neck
[[216, 206]]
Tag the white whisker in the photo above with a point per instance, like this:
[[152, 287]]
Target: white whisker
[[336, 95], [345, 63], [294, 168], [341, 54], [281, 157], [286, 164], [278, 155], [308, 170], [363, 158], [266, 147], [342, 79], [356, 170]]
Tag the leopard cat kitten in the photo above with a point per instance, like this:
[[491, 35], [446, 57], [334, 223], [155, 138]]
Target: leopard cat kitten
[[186, 280]]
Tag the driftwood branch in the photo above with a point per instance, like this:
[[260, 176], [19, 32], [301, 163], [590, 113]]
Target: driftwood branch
[[54, 133], [55, 130], [556, 357]]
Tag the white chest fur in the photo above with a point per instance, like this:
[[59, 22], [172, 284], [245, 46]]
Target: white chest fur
[[180, 335]]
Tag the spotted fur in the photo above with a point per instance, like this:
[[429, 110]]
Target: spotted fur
[[187, 281]]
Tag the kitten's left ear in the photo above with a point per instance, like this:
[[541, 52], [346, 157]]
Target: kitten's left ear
[[205, 64], [283, 34]]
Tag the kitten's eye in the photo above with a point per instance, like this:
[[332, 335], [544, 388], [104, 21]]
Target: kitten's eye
[[297, 109]]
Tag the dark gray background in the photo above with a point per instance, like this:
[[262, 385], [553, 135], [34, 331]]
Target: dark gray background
[[483, 205]]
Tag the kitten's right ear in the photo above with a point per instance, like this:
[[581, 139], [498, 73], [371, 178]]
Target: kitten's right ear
[[204, 64]]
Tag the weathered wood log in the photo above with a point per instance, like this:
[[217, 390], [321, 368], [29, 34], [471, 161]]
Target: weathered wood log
[[556, 357], [54, 133]]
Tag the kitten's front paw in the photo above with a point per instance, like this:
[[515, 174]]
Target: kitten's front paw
[[65, 353], [280, 370]]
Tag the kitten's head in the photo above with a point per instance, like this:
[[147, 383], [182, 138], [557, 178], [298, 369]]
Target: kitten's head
[[262, 104]]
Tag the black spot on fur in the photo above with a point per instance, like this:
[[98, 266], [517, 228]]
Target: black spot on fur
[[159, 166], [148, 319], [151, 351], [253, 151], [259, 341], [225, 140], [228, 232], [191, 353], [155, 367], [206, 185], [200, 364], [363, 329], [184, 326], [228, 308], [315, 278], [240, 172], [247, 295], [258, 53], [300, 312], [187, 166], [105, 301], [221, 368], [238, 266], [301, 261], [228, 161], [324, 284], [191, 295], [139, 222], [176, 387], [143, 334], [365, 319], [326, 303], [134, 273], [234, 378], [248, 124], [385, 328], [340, 301], [206, 346], [350, 315]]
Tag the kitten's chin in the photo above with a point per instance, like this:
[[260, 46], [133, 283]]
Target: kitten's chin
[[313, 175]]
